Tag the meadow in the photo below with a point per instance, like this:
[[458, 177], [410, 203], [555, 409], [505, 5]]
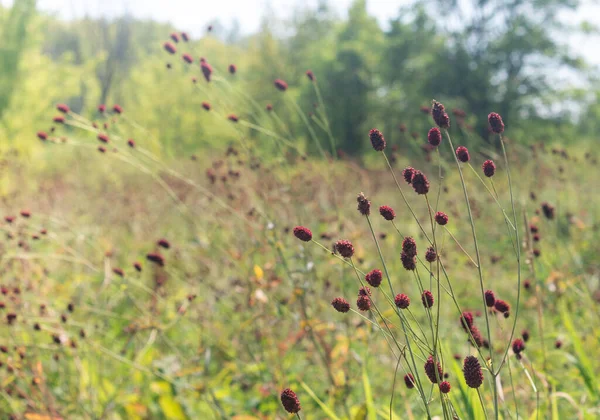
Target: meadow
[[275, 274]]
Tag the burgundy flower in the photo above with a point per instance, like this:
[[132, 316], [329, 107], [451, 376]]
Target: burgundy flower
[[420, 183], [187, 58], [496, 123], [363, 303], [489, 168], [490, 298], [344, 248], [558, 344], [548, 210], [377, 139], [536, 252], [427, 299], [477, 337], [402, 301], [430, 367], [302, 233], [340, 304], [438, 112], [387, 212], [462, 153], [101, 108], [434, 137], [42, 135], [103, 138], [364, 291], [138, 266], [409, 246], [59, 119], [408, 261], [185, 36], [175, 37], [290, 401], [232, 68], [525, 335], [131, 143], [466, 320], [430, 255], [269, 107], [156, 258], [364, 205], [63, 108], [102, 149], [518, 346], [163, 243], [441, 218], [117, 109], [374, 277], [206, 106], [233, 118], [118, 271], [536, 237], [206, 70], [501, 306], [170, 48], [533, 228], [280, 84], [408, 174], [472, 372], [25, 213], [445, 387], [409, 380]]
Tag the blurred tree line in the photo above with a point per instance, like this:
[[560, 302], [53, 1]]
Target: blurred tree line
[[475, 56]]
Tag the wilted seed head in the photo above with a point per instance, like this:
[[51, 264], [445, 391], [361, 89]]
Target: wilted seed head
[[103, 138], [187, 58], [280, 84], [340, 304], [472, 372], [42, 135], [387, 212], [409, 246], [430, 367], [408, 261], [408, 174], [363, 303], [206, 70], [402, 301], [445, 387], [434, 137], [501, 306], [525, 335], [462, 153], [427, 299], [117, 109], [409, 380], [290, 401], [420, 183], [377, 139], [438, 112], [441, 218], [490, 298], [496, 123], [232, 69], [206, 106], [169, 47], [163, 243], [344, 248], [430, 255], [489, 168], [303, 233], [374, 277], [63, 108], [233, 118], [548, 210], [156, 258], [466, 320], [518, 346], [131, 143], [364, 205]]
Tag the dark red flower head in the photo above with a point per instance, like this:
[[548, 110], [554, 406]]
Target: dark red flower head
[[117, 109], [290, 401], [42, 135], [377, 139], [489, 168], [430, 367], [156, 258], [438, 112], [170, 48], [525, 335], [408, 261], [185, 36], [340, 304], [131, 143], [233, 118], [344, 248], [206, 106], [59, 119], [63, 108], [101, 108], [430, 255], [466, 320], [175, 37], [25, 213], [462, 153], [303, 233], [387, 212], [558, 344], [280, 84], [408, 174], [548, 210], [103, 138], [363, 302], [420, 183], [138, 266], [364, 205], [409, 380], [496, 123], [434, 137], [269, 107], [427, 299], [501, 306], [472, 372], [402, 301], [374, 277], [364, 291], [310, 75], [206, 70], [187, 58], [163, 243], [518, 346], [490, 298], [441, 218], [445, 387], [118, 271], [102, 149], [232, 68], [409, 246]]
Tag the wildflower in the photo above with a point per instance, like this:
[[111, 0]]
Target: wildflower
[[187, 58], [344, 248], [280, 84], [409, 380], [501, 306], [42, 135], [364, 291], [138, 266], [269, 107], [441, 218], [518, 346], [408, 174], [63, 108], [290, 401], [59, 119], [536, 252], [103, 138], [525, 335], [25, 213], [340, 304], [420, 183], [387, 212], [206, 106], [170, 48], [102, 149], [302, 233], [409, 246], [310, 75], [438, 112], [408, 261], [363, 303], [374, 277], [430, 366], [430, 255], [118, 271], [477, 337], [377, 139], [445, 387], [434, 137], [490, 298], [489, 168], [233, 118], [548, 210], [117, 109], [527, 284], [174, 37], [232, 69], [462, 153], [496, 123], [10, 318], [206, 70], [466, 320], [185, 36], [156, 258], [101, 108], [536, 237], [402, 301], [427, 299], [558, 344], [364, 205], [163, 243], [131, 143], [472, 372]]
